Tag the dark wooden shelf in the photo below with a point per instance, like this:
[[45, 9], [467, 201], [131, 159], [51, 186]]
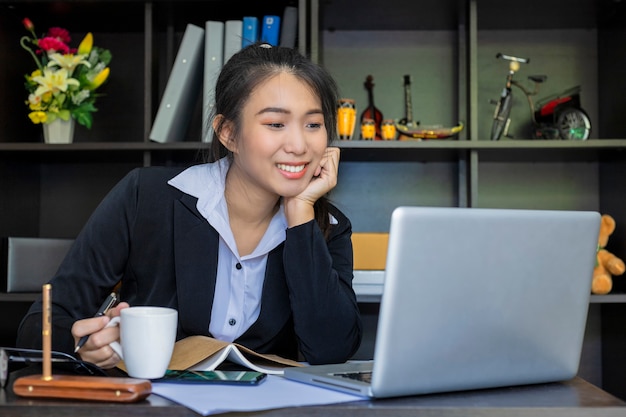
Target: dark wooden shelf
[[608, 299], [440, 150], [429, 144], [101, 146], [452, 150]]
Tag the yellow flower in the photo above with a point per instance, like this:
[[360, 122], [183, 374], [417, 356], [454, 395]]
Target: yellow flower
[[68, 61], [53, 81], [46, 97], [85, 46], [38, 117], [100, 78]]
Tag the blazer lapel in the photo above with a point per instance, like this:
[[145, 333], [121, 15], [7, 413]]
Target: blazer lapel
[[195, 250]]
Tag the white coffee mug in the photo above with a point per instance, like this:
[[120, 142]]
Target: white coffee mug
[[147, 337]]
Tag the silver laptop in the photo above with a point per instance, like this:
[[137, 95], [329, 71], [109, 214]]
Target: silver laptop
[[475, 298]]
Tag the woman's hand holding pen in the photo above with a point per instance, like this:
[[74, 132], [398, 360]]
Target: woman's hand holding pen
[[96, 349], [299, 209]]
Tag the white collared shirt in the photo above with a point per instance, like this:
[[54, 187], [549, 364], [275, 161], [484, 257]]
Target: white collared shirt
[[239, 285]]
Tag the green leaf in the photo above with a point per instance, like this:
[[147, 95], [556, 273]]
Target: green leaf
[[64, 114], [84, 119], [105, 56], [83, 114]]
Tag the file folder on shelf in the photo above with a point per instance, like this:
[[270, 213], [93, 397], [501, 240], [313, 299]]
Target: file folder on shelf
[[182, 90], [213, 61]]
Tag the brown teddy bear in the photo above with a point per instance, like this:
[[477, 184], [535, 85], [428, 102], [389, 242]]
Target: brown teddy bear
[[607, 264]]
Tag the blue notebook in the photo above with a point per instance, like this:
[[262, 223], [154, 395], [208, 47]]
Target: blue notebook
[[270, 30], [250, 31]]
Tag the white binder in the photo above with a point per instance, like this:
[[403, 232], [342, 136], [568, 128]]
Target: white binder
[[213, 61], [182, 89], [233, 32]]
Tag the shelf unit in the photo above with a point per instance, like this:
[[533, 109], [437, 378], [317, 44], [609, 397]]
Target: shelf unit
[[448, 48]]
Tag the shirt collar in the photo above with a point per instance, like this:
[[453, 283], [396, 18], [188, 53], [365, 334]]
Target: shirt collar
[[206, 182]]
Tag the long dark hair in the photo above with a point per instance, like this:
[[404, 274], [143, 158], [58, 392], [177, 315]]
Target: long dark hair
[[250, 67]]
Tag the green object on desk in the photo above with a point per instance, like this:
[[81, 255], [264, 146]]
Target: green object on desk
[[213, 377]]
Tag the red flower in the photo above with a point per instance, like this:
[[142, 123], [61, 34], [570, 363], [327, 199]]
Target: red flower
[[53, 44], [28, 24], [60, 33]]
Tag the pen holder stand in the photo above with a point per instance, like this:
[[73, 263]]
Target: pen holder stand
[[88, 388]]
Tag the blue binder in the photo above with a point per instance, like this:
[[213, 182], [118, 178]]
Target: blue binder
[[250, 31], [270, 30]]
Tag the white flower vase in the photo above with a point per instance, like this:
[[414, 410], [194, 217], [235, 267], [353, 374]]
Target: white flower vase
[[59, 131]]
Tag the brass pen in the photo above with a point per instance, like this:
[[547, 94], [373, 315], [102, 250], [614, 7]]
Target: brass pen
[[46, 333], [108, 303]]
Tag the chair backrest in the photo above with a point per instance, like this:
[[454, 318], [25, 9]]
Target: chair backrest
[[30, 262]]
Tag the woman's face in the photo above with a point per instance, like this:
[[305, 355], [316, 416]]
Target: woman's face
[[283, 137]]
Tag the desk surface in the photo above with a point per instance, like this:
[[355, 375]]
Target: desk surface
[[571, 398]]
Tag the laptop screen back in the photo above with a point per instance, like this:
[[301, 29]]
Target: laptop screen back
[[477, 298]]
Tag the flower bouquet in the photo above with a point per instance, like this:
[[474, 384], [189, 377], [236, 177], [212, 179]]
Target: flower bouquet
[[63, 84]]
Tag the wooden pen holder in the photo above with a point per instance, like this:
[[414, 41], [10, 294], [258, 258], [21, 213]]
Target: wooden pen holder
[[88, 388]]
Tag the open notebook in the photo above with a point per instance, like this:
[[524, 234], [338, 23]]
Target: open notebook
[[475, 298]]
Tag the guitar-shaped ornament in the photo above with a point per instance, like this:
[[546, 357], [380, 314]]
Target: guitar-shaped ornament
[[371, 112], [408, 127]]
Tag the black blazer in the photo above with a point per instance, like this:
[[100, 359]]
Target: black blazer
[[150, 236]]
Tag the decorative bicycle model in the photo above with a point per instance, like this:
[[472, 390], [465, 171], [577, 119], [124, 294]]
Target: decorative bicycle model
[[555, 117]]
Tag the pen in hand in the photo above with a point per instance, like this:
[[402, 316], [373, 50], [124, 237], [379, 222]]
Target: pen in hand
[[108, 303]]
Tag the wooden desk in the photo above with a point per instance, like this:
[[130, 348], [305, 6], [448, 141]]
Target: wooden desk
[[572, 398]]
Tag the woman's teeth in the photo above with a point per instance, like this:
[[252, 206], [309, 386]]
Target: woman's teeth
[[290, 168]]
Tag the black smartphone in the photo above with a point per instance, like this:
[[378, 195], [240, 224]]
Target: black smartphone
[[213, 377]]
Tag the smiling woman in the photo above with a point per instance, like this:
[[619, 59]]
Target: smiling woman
[[282, 86], [282, 134], [245, 246]]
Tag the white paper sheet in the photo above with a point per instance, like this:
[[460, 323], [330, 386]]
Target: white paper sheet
[[275, 392]]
